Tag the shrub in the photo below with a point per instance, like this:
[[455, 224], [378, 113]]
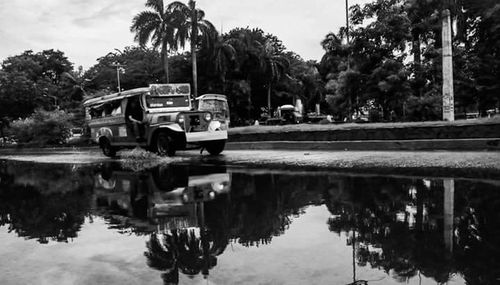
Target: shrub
[[43, 128]]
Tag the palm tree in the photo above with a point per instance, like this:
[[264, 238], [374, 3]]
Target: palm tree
[[274, 66], [190, 24], [224, 57], [157, 26], [75, 84]]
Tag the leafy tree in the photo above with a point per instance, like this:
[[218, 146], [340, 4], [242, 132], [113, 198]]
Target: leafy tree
[[43, 128], [32, 80], [142, 67]]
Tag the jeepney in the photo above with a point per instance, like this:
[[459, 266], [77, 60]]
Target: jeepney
[[215, 103], [168, 121]]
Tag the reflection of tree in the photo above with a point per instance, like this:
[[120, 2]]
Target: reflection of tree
[[259, 207], [397, 223], [378, 211], [478, 231], [183, 250], [45, 214]]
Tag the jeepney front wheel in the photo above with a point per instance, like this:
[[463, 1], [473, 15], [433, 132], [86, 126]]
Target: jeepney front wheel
[[163, 144], [107, 149], [215, 147]]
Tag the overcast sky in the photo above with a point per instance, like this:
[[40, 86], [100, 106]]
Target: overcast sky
[[87, 29]]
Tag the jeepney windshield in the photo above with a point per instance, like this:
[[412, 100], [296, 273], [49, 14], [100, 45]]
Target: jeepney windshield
[[167, 101], [219, 108]]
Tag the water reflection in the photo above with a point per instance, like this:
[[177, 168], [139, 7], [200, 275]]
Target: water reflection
[[410, 228], [168, 204], [42, 202]]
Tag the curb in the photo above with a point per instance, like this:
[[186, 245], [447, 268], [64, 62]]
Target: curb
[[482, 144], [30, 150]]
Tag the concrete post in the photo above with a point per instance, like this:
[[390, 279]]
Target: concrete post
[[448, 100]]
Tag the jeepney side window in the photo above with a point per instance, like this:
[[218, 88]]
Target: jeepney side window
[[95, 112], [116, 108], [107, 110]]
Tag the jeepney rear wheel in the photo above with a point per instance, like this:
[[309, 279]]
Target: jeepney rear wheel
[[107, 149], [215, 147], [164, 144]]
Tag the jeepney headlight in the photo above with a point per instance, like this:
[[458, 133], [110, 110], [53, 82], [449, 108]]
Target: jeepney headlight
[[207, 117], [180, 119], [214, 126], [211, 195]]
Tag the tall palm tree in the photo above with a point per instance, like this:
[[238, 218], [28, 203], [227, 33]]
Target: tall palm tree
[[224, 57], [190, 24], [155, 25], [274, 66]]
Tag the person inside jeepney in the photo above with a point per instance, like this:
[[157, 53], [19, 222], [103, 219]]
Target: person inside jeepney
[[134, 118]]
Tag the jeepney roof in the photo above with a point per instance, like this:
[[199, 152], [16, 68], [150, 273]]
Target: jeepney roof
[[115, 96], [212, 96], [287, 107]]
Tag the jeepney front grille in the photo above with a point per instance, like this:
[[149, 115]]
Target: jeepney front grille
[[195, 123]]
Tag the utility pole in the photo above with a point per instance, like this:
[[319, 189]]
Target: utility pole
[[119, 68], [447, 54], [347, 32], [349, 99], [194, 40]]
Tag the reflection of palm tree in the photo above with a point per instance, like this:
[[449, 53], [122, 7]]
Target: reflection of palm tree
[[181, 250], [158, 257]]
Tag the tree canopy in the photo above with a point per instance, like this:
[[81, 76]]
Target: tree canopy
[[390, 66]]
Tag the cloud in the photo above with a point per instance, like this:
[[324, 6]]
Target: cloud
[[86, 30]]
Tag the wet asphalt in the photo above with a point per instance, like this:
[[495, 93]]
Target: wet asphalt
[[484, 164]]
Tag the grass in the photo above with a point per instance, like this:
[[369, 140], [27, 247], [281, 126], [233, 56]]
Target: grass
[[139, 159], [349, 126]]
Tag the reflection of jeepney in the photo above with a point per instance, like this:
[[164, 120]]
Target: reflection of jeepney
[[167, 197], [167, 121]]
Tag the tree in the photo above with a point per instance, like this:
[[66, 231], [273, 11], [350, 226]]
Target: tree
[[142, 66], [190, 24], [259, 57], [33, 80], [274, 66], [223, 57], [380, 35], [156, 25]]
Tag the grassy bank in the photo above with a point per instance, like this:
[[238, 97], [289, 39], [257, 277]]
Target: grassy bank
[[463, 129]]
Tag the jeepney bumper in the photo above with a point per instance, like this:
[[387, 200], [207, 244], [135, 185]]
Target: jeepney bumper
[[194, 137]]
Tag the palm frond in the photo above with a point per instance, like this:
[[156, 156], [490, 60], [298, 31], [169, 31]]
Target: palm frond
[[156, 5], [157, 257], [178, 6], [144, 24]]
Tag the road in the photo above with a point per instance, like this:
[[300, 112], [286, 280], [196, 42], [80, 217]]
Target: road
[[420, 163]]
